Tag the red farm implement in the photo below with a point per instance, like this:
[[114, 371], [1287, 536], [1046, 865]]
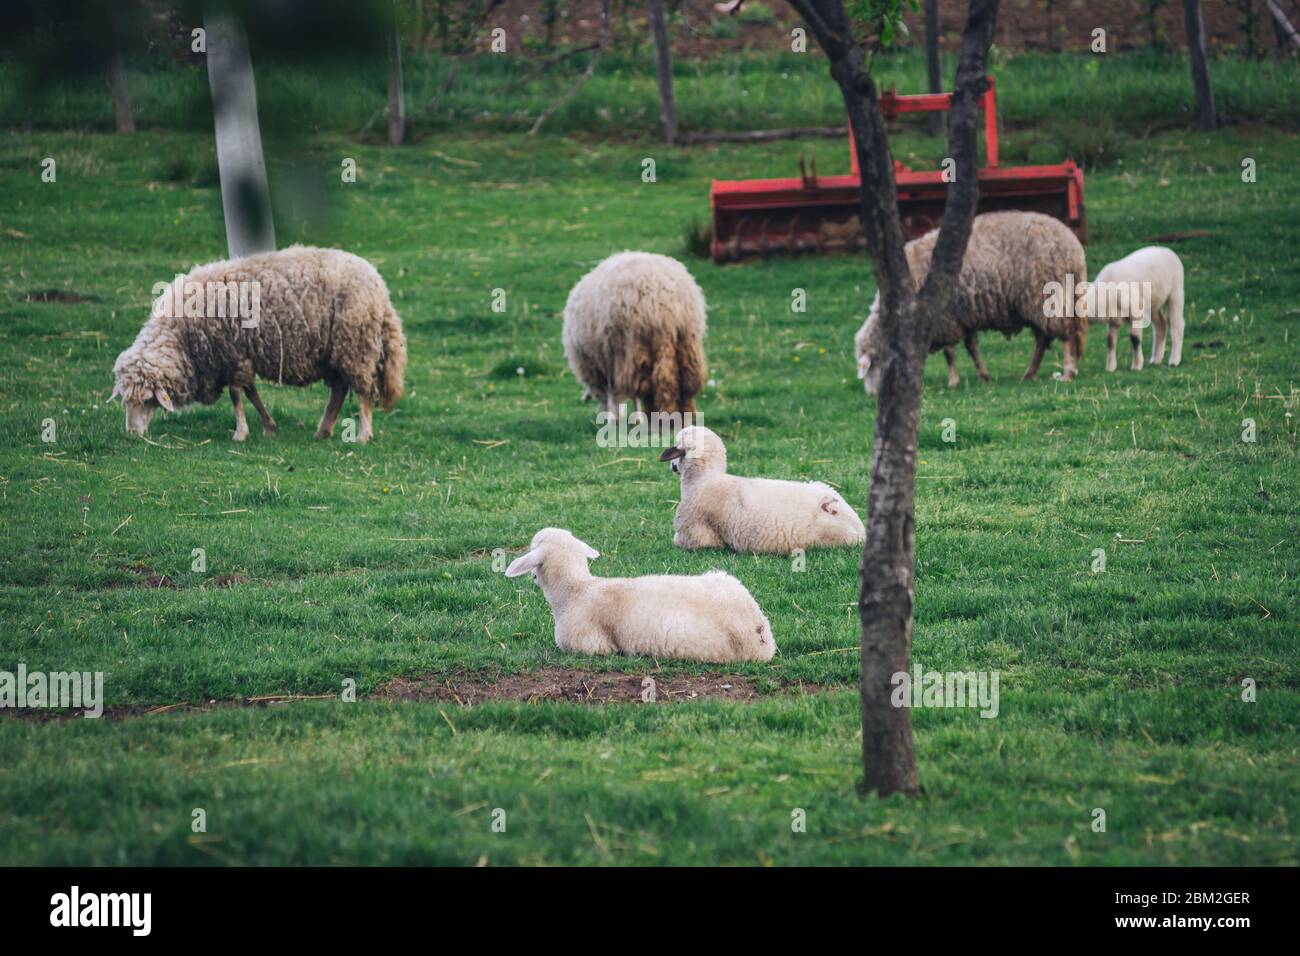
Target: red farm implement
[[814, 213]]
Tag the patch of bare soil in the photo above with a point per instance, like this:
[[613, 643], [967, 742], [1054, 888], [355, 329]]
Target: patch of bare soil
[[58, 296], [151, 578], [551, 683], [579, 686]]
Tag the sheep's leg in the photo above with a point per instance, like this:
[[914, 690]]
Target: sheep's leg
[[1176, 325], [1072, 351], [697, 535], [338, 392], [1040, 346], [241, 423], [1159, 331], [268, 423], [1112, 339], [973, 348], [594, 641], [1135, 337], [365, 432], [951, 356]]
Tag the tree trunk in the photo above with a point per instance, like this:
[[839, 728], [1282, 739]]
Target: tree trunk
[[396, 93], [1282, 28], [245, 198], [1205, 118], [906, 317], [933, 69], [664, 70], [123, 119]]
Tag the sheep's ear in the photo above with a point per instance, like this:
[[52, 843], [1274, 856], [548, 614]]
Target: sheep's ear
[[587, 550], [863, 364], [164, 399], [671, 453], [117, 390], [524, 563]]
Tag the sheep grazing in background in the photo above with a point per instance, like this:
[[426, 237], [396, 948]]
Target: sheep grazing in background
[[707, 617], [757, 515], [634, 330], [1144, 286], [1012, 261], [317, 314]]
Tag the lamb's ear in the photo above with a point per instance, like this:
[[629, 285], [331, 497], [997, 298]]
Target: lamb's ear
[[524, 563], [164, 399], [671, 453], [587, 550], [117, 390]]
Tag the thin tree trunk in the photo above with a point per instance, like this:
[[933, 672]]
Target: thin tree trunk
[[1282, 28], [245, 197], [933, 69], [581, 81], [1205, 118], [889, 558], [396, 93], [664, 70], [123, 119]]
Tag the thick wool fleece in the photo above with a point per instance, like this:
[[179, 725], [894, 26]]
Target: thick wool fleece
[[325, 315], [757, 515], [634, 328], [709, 617], [1010, 259]]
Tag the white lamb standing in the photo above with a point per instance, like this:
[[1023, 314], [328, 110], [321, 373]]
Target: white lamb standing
[[755, 515], [1161, 268], [707, 617]]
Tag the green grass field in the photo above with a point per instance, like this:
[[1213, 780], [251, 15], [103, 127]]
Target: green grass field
[[334, 562]]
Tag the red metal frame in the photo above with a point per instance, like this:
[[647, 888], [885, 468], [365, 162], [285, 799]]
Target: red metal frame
[[820, 213]]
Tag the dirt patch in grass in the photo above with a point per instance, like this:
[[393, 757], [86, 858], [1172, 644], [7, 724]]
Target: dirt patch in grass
[[583, 687], [151, 578], [466, 689], [58, 296]]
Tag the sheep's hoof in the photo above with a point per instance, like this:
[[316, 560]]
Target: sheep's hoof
[[239, 436], [1028, 377], [269, 430], [984, 377]]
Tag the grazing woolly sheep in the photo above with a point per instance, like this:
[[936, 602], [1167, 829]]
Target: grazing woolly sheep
[[1120, 295], [707, 617], [1011, 262], [757, 515], [322, 314], [633, 330]]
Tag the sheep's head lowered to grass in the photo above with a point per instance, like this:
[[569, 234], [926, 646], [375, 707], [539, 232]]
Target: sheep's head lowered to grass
[[147, 380]]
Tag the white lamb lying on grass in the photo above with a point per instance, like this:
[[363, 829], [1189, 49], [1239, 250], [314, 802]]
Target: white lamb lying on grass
[[1161, 268], [707, 617], [757, 515]]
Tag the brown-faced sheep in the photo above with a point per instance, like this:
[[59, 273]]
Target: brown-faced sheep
[[633, 330], [1019, 270], [317, 314]]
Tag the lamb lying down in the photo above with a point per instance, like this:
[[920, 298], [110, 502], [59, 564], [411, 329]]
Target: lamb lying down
[[707, 617], [758, 515]]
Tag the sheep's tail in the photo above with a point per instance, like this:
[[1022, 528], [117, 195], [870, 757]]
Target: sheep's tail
[[692, 368], [664, 388], [393, 375]]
